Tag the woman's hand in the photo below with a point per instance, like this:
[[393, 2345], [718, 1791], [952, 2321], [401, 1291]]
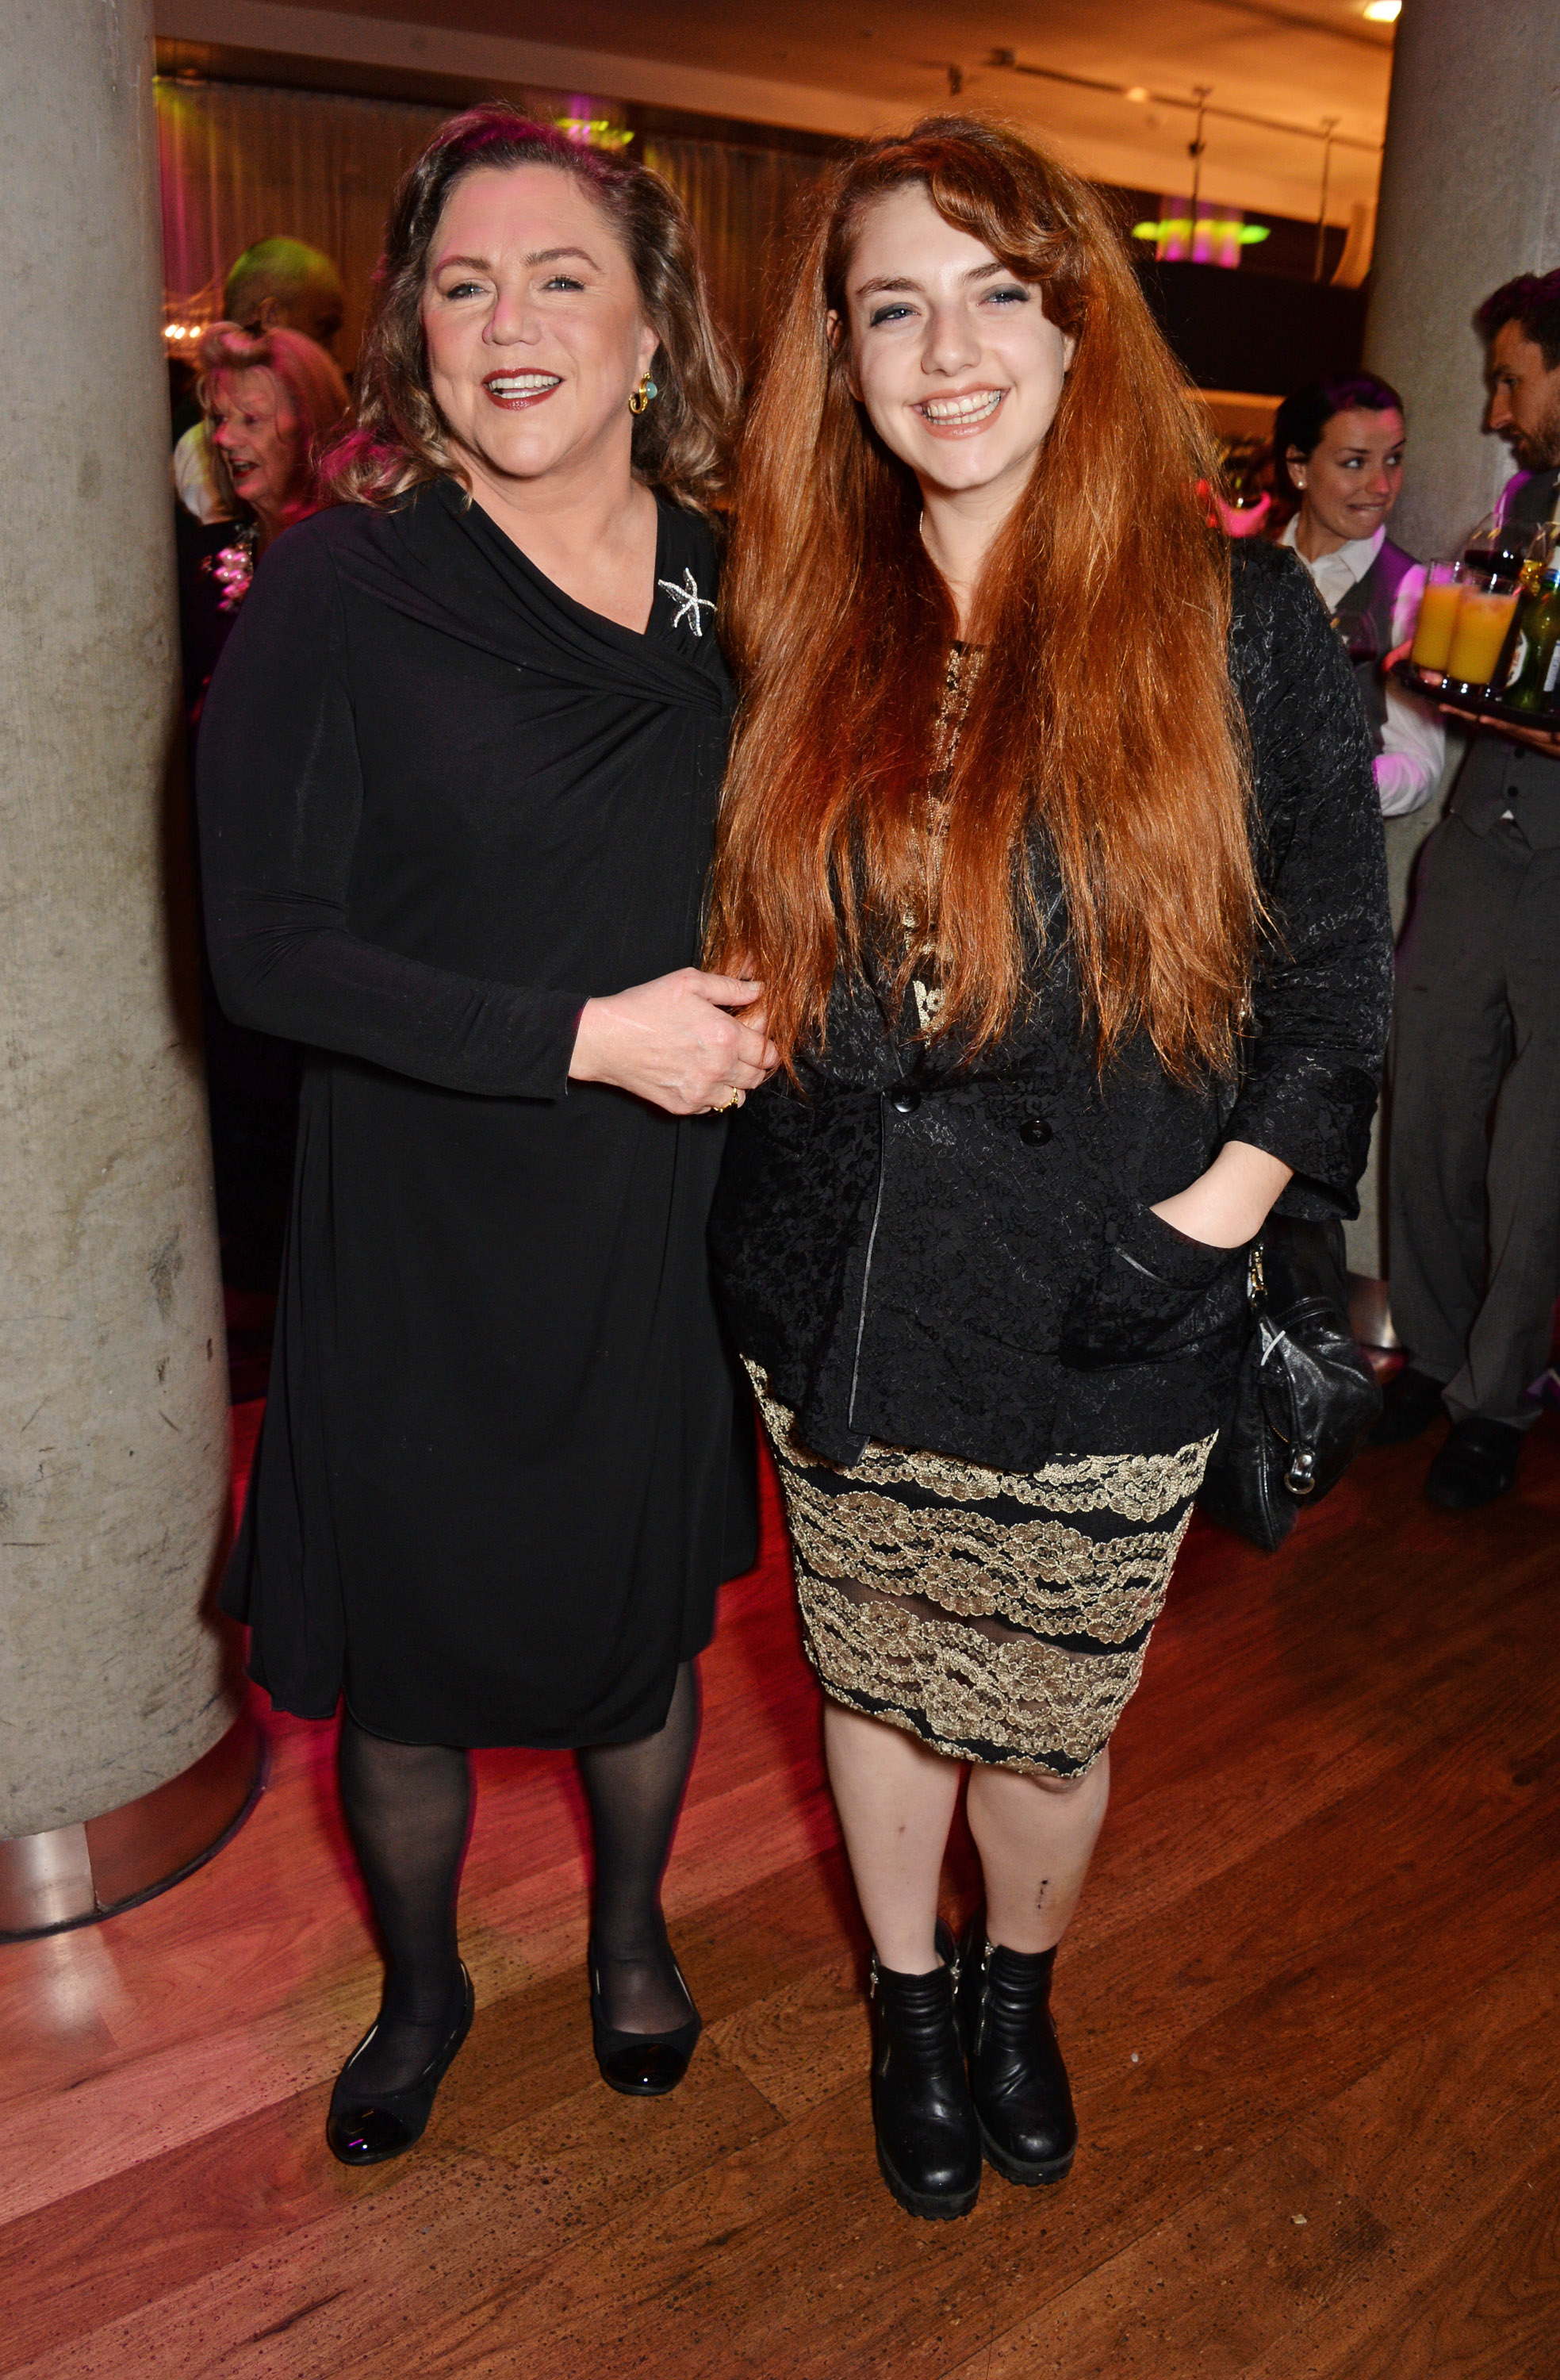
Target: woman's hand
[[675, 1043], [1229, 1204]]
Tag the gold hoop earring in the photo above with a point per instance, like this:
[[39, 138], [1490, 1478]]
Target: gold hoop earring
[[642, 394]]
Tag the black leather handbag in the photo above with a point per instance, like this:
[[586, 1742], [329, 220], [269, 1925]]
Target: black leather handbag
[[1305, 1396]]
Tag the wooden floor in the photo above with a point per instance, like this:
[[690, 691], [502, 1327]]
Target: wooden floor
[[1310, 2007]]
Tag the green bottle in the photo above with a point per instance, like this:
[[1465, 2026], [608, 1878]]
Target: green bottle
[[1533, 680]]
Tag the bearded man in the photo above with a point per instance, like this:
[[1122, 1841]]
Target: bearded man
[[1475, 1142]]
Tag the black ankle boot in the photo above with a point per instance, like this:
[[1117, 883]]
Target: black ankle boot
[[365, 2127], [1017, 2080], [928, 2146]]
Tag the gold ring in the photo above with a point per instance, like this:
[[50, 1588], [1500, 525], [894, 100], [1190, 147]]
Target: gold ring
[[733, 1100]]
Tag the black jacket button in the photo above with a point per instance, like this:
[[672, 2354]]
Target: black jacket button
[[905, 1098], [1035, 1132]]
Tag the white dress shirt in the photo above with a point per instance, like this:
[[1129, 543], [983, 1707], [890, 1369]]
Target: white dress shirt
[[1414, 738]]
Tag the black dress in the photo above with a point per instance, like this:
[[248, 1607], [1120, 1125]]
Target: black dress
[[504, 1465]]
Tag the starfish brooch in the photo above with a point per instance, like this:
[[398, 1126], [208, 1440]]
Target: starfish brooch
[[688, 600]]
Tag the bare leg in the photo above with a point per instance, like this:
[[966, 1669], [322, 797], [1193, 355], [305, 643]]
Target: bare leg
[[896, 1799], [1035, 1837]]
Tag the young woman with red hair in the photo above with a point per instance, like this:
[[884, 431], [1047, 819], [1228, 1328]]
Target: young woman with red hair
[[1050, 832]]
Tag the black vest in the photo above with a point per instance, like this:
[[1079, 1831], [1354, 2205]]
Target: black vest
[[1364, 622]]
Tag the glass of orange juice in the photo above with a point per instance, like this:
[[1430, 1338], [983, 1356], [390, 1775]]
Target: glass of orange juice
[[1437, 617], [1484, 613]]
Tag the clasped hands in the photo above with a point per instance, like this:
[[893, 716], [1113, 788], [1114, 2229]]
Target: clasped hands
[[692, 1043]]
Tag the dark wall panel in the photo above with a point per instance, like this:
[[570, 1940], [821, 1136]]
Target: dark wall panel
[[1254, 331]]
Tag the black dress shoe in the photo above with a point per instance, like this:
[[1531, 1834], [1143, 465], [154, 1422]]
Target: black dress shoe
[[1023, 2100], [928, 2144], [1409, 1405], [363, 2129], [1477, 1464], [641, 2065]]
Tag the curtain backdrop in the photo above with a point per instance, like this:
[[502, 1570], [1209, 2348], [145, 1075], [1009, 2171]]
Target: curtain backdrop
[[741, 200], [242, 162]]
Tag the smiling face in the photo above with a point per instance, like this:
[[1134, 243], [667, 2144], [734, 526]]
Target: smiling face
[[535, 331], [259, 441], [952, 355], [1350, 480], [1524, 399]]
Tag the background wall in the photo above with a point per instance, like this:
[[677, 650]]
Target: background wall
[[241, 162]]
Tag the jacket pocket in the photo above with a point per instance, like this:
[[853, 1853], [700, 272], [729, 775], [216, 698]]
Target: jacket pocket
[[1155, 1293]]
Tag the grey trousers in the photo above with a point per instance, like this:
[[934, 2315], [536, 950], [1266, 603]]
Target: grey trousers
[[1474, 1163]]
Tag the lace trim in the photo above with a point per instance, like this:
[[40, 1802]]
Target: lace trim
[[1017, 1705], [908, 1605], [980, 1567], [1134, 1486]]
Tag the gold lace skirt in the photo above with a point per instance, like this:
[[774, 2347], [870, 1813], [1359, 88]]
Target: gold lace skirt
[[1001, 1616]]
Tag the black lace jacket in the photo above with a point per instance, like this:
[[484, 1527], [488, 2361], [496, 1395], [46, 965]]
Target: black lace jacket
[[964, 1260]]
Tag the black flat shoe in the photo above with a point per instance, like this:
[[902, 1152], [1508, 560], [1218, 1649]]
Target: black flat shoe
[[928, 2144], [1477, 1464], [1022, 2098], [365, 2131], [641, 2065], [1409, 1403]]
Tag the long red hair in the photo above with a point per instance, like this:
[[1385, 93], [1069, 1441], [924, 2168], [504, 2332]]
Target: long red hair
[[1102, 712]]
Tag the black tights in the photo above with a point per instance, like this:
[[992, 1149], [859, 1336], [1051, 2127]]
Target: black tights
[[408, 1810]]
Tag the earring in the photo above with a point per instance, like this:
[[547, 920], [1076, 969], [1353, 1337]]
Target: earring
[[642, 394]]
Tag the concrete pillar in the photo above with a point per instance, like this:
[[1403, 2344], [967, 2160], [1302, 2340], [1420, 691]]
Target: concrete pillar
[[120, 1759], [1469, 195]]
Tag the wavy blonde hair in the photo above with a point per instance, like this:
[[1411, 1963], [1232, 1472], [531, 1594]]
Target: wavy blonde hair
[[312, 390]]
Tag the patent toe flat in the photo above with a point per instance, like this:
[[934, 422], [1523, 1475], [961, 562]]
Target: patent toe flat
[[641, 2065], [365, 2128]]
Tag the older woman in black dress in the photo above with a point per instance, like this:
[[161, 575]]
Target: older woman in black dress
[[458, 777]]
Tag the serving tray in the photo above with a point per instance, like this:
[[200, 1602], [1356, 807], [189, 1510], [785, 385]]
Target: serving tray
[[1431, 683]]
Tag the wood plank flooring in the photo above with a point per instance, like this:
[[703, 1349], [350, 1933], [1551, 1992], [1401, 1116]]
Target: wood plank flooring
[[1310, 2005]]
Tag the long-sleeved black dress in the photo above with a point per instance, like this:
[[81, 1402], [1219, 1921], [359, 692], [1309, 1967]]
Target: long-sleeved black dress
[[505, 1466]]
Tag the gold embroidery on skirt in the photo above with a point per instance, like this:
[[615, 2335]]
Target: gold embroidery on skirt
[[936, 1614], [1022, 1699]]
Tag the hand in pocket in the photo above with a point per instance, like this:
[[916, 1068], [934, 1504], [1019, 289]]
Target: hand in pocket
[[1155, 1293]]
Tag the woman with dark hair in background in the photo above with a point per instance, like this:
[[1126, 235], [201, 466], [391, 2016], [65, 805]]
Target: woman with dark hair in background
[[1338, 448], [459, 771], [1058, 858]]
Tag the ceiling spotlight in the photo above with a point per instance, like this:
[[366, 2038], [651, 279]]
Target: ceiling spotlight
[[1382, 12], [1137, 94]]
